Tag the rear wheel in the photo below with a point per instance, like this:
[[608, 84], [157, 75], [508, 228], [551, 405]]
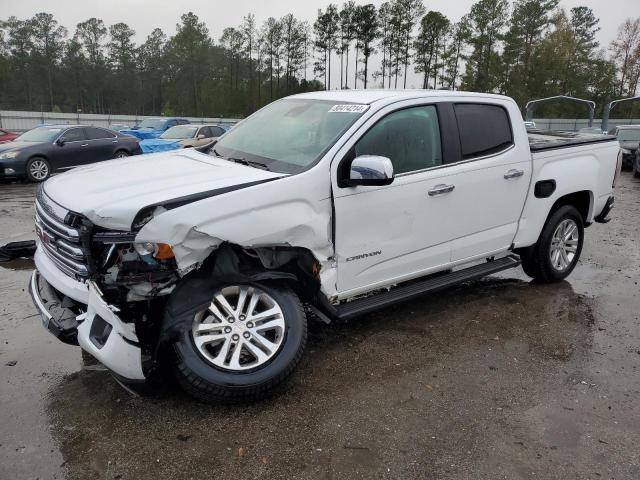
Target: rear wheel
[[243, 344], [121, 154], [556, 254], [38, 169]]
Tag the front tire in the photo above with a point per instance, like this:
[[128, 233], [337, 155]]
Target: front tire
[[556, 254], [121, 154], [241, 345], [38, 169]]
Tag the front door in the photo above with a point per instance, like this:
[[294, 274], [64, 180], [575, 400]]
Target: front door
[[69, 153], [391, 233]]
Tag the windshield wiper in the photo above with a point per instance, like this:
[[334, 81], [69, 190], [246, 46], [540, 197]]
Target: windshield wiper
[[249, 163], [242, 161]]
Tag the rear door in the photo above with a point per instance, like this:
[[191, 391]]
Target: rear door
[[490, 182], [102, 145]]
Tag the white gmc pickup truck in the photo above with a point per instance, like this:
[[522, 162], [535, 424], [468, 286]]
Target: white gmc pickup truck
[[333, 204]]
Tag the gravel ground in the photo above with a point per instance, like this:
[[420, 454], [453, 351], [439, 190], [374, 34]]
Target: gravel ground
[[499, 378]]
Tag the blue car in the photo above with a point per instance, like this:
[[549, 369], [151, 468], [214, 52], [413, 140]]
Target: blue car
[[154, 127]]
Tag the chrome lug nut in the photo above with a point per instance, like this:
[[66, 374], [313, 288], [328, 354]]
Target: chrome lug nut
[[235, 337], [227, 330], [246, 334], [242, 317], [249, 324]]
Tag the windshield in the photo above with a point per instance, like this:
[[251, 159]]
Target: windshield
[[179, 132], [40, 134], [152, 123], [629, 135], [288, 135]]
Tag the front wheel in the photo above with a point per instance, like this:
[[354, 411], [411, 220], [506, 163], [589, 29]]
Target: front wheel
[[556, 254], [38, 169], [121, 154], [242, 344]]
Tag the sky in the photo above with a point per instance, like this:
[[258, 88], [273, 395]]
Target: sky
[[145, 15]]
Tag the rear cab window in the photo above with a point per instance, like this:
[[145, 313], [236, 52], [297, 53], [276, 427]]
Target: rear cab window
[[484, 129]]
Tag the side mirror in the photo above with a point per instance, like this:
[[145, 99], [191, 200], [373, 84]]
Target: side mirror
[[370, 170], [60, 142]]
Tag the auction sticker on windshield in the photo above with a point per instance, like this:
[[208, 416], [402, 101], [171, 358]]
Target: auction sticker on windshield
[[351, 108]]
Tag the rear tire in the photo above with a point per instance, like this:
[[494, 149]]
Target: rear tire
[[556, 254], [228, 353], [38, 169], [121, 154]]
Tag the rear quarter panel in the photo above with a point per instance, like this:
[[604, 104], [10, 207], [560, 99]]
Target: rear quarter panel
[[588, 168]]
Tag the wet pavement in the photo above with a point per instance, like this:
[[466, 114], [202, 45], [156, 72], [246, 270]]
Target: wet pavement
[[499, 378]]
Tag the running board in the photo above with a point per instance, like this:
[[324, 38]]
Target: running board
[[433, 284]]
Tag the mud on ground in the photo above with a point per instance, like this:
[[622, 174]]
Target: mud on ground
[[499, 378]]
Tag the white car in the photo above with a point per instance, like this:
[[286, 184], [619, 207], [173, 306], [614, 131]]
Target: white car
[[335, 203]]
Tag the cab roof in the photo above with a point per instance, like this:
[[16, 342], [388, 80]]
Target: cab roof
[[370, 96]]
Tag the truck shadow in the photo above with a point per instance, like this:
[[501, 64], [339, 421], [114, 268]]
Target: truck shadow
[[381, 381]]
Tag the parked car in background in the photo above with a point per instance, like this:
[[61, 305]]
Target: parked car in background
[[7, 136], [336, 202], [628, 138], [182, 136], [116, 127], [38, 153], [530, 125], [154, 127]]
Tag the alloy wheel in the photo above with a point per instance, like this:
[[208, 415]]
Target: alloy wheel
[[243, 328], [39, 169], [564, 244]]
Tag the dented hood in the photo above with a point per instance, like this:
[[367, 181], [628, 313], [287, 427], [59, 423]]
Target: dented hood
[[111, 193]]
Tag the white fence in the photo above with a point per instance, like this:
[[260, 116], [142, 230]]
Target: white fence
[[573, 125], [17, 121]]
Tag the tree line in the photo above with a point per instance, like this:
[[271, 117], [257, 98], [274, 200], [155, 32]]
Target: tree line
[[525, 49]]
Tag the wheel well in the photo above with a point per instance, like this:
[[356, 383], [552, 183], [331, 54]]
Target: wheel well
[[38, 155], [580, 200], [295, 266]]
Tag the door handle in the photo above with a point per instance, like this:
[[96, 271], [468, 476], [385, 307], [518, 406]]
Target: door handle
[[84, 145], [513, 174], [440, 189]]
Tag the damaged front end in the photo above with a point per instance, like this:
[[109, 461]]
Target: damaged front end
[[100, 289]]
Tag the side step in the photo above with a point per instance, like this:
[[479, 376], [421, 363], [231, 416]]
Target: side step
[[406, 292]]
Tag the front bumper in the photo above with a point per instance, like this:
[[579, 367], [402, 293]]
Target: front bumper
[[98, 330]]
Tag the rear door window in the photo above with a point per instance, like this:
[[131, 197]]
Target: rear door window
[[484, 129], [216, 131], [98, 133]]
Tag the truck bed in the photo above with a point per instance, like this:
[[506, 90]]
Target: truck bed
[[541, 140]]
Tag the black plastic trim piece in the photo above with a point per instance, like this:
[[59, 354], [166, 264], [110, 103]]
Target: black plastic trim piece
[[602, 217], [430, 285]]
